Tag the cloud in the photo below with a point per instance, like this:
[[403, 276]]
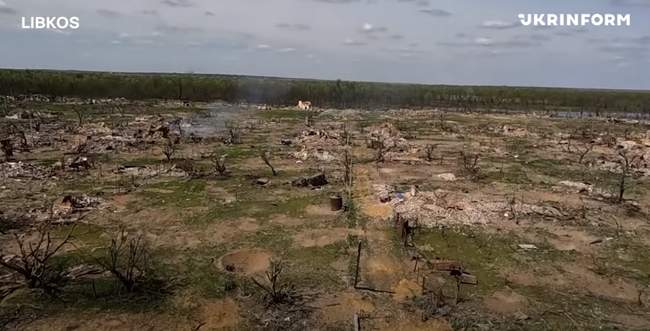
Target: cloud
[[371, 29], [499, 25], [108, 13], [435, 12], [539, 37], [491, 43], [631, 3], [337, 1], [208, 13], [621, 48], [8, 11], [150, 12], [396, 36], [178, 3], [174, 29], [352, 42], [645, 40], [293, 27], [419, 3], [286, 50], [263, 46]]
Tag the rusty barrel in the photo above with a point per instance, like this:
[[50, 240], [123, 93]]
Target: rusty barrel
[[336, 202]]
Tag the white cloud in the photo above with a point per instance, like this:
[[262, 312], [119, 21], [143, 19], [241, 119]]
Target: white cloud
[[483, 41], [499, 25], [353, 42]]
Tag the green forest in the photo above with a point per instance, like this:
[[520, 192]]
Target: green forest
[[338, 94]]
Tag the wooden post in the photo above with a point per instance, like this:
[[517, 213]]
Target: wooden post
[[356, 272]]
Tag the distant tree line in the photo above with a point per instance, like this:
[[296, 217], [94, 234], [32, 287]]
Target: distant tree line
[[339, 94]]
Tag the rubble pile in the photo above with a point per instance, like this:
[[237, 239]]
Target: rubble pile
[[68, 208], [150, 171], [22, 170], [315, 144], [445, 208], [509, 131], [388, 135]]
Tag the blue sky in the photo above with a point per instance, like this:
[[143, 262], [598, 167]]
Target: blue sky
[[421, 41]]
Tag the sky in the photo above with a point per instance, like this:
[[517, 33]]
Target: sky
[[466, 42]]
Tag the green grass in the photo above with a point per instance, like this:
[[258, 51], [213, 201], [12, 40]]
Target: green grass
[[183, 193], [484, 255]]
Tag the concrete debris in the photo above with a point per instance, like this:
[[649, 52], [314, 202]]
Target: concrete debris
[[383, 192], [449, 177], [580, 187], [83, 270], [81, 201], [443, 208], [627, 145], [387, 135], [301, 155], [151, 171], [22, 170], [70, 204], [527, 246], [513, 132], [315, 144], [324, 156]]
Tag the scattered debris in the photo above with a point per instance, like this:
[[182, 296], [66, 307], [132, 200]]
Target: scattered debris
[[449, 177], [581, 187], [317, 180]]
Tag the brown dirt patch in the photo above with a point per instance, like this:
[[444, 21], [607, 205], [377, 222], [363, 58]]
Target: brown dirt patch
[[121, 201], [247, 224], [320, 210], [320, 237], [246, 261], [286, 220], [376, 210], [108, 322], [220, 194], [380, 270], [577, 277], [611, 288], [341, 307], [221, 314], [506, 302], [406, 289]]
